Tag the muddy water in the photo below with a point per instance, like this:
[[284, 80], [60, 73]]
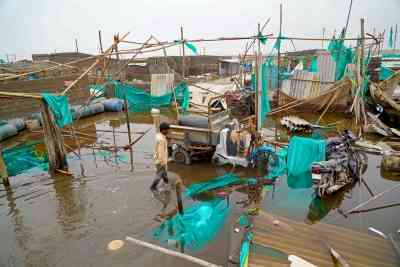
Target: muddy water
[[68, 221]]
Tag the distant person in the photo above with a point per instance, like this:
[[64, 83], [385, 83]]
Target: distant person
[[161, 187]]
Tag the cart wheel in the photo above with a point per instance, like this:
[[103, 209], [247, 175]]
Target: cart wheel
[[180, 155]]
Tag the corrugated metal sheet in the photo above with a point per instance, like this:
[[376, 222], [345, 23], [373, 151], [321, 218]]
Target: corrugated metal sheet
[[305, 84], [326, 69], [162, 83]]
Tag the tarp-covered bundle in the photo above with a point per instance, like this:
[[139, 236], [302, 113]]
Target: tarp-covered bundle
[[60, 108], [196, 227], [302, 153], [24, 157]]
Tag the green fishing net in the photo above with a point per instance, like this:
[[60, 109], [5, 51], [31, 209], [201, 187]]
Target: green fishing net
[[196, 227], [24, 157], [302, 153], [60, 108], [266, 76], [139, 100], [342, 55]]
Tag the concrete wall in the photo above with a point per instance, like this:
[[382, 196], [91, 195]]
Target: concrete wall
[[195, 65], [12, 107]]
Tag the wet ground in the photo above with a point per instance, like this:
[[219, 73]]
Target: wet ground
[[69, 221]]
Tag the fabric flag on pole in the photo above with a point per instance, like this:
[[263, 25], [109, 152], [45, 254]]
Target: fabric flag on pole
[[191, 47], [262, 38]]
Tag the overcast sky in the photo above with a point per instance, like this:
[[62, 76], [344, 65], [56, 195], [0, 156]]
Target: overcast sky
[[42, 26]]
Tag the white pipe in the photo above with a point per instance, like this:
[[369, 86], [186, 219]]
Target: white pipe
[[171, 252]]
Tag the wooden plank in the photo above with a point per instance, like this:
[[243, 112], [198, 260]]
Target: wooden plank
[[358, 249]]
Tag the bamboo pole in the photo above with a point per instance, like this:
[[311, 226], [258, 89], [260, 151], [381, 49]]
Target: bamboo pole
[[100, 42], [179, 197], [128, 125], [279, 51], [135, 55], [94, 64], [76, 45], [183, 54], [3, 170], [269, 36], [171, 252], [259, 81]]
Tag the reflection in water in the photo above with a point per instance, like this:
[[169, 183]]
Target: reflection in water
[[22, 233], [70, 209], [320, 207]]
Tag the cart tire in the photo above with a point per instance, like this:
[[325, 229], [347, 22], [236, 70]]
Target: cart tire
[[180, 155]]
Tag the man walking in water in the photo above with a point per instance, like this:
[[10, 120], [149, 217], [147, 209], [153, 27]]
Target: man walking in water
[[161, 191]]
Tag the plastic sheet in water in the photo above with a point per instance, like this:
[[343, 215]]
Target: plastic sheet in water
[[22, 158], [196, 227], [219, 182]]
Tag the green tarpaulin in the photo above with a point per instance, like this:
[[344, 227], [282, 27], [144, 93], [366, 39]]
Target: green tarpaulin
[[314, 65], [196, 227], [60, 108], [218, 182], [385, 73], [24, 157], [302, 153], [191, 47]]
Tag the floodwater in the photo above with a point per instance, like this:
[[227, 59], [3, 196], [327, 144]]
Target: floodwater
[[69, 220]]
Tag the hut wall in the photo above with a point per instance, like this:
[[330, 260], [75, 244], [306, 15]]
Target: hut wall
[[12, 107]]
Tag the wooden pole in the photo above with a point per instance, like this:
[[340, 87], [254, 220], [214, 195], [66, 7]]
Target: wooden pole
[[179, 197], [362, 48], [53, 140], [76, 45], [183, 55], [100, 43], [128, 125], [3, 170], [256, 72], [348, 18], [279, 50], [172, 252], [395, 38]]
